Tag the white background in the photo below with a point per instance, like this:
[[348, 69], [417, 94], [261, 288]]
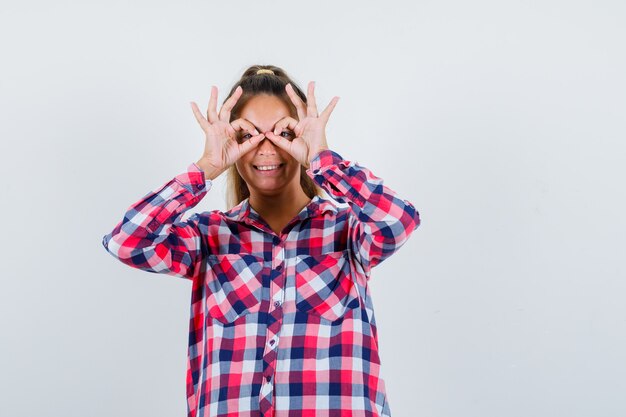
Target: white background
[[502, 121]]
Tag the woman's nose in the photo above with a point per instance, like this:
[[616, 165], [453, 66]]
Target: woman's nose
[[267, 147]]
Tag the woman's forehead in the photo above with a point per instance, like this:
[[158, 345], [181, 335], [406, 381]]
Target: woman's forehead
[[265, 109]]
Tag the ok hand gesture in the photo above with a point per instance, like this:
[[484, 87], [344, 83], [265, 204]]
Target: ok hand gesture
[[221, 147], [309, 130]]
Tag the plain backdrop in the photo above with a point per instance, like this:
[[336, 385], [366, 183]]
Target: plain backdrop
[[502, 121]]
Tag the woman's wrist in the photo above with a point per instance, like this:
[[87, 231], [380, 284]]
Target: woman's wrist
[[313, 154], [210, 172]]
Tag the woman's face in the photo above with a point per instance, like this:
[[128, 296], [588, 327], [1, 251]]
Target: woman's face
[[267, 169]]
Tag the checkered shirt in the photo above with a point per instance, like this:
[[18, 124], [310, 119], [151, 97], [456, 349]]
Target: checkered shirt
[[280, 324]]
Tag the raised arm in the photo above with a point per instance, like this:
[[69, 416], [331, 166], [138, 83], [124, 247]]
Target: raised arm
[[382, 221], [151, 235]]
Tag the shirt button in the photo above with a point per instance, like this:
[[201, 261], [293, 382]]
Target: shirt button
[[268, 377], [272, 342], [276, 303], [200, 186], [276, 240], [279, 267]]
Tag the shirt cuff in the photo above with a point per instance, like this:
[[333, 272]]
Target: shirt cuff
[[196, 175], [324, 159]]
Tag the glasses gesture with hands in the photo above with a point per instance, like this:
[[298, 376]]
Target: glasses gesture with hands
[[309, 130], [221, 147]]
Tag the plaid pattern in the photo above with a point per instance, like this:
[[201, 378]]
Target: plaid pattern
[[280, 325]]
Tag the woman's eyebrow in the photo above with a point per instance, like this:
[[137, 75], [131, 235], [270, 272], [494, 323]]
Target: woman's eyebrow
[[256, 127]]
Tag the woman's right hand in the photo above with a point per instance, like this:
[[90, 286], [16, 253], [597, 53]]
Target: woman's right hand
[[221, 147]]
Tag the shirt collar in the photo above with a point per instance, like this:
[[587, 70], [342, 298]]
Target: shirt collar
[[243, 212]]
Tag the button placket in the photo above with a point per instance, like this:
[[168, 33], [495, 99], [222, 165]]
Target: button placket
[[279, 257], [273, 342], [274, 323], [266, 397], [277, 284]]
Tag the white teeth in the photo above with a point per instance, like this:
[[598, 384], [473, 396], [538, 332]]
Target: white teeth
[[267, 167]]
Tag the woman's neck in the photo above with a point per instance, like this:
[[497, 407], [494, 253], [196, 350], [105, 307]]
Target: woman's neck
[[278, 210]]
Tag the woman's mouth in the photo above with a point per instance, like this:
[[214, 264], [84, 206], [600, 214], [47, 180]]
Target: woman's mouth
[[267, 167]]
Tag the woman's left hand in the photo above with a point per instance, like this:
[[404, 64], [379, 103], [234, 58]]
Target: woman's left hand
[[309, 130]]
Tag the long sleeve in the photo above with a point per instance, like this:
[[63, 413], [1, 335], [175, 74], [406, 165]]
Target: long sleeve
[[151, 235], [382, 221]]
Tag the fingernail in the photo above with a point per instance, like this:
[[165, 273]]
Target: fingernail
[[256, 132]]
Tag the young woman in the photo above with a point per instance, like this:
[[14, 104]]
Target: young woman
[[282, 321]]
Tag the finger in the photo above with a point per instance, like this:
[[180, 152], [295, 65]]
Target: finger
[[243, 124], [231, 131], [297, 101], [211, 111], [279, 141], [311, 106], [229, 104], [250, 144], [285, 123], [329, 109], [199, 117]]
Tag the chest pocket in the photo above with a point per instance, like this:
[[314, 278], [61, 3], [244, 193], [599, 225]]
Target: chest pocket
[[324, 286], [235, 286]]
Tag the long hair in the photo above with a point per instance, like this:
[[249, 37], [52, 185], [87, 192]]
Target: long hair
[[254, 84]]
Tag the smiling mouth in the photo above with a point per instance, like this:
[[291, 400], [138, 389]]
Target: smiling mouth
[[267, 167]]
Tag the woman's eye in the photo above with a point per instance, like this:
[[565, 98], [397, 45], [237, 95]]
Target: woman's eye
[[286, 134], [246, 136]]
